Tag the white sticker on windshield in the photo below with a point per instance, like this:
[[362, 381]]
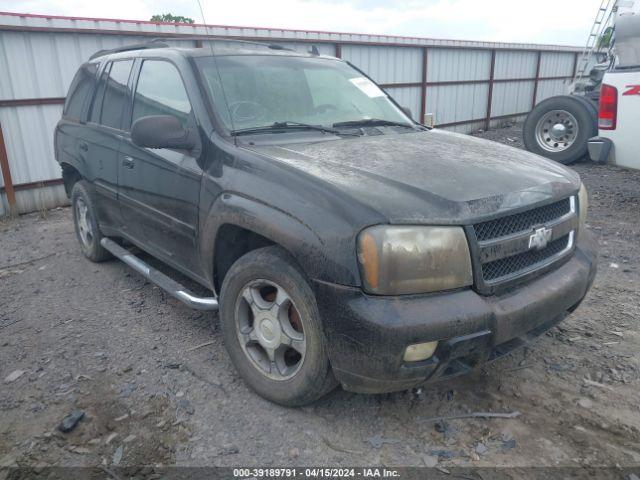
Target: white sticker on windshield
[[367, 87]]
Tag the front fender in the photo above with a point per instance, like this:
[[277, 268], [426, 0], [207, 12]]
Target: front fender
[[320, 260]]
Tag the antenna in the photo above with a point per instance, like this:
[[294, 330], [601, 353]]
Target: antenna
[[206, 26]]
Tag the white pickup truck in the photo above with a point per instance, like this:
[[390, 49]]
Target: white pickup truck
[[618, 139]]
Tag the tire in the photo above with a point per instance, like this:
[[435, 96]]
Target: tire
[[592, 106], [86, 224], [572, 145], [247, 338]]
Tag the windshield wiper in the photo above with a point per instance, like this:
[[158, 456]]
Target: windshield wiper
[[287, 125], [372, 122]]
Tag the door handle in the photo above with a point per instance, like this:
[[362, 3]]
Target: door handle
[[84, 146], [127, 162]]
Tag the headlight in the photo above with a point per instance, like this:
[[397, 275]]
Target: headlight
[[403, 260], [583, 206]]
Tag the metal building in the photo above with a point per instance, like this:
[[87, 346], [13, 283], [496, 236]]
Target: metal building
[[466, 85]]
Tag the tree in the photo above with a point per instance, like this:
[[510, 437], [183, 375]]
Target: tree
[[169, 18]]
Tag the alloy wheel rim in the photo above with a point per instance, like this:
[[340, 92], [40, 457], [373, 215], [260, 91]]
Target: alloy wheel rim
[[556, 131], [84, 223], [270, 329]]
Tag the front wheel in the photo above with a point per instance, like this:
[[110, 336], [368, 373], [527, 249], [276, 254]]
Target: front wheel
[[272, 328], [560, 127]]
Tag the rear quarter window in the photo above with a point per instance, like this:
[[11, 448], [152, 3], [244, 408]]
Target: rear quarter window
[[80, 89]]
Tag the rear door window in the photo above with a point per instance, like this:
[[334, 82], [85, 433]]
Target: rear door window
[[160, 91], [81, 87], [115, 94]]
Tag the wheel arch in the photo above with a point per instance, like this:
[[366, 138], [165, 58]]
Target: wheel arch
[[231, 243], [241, 224], [70, 176]]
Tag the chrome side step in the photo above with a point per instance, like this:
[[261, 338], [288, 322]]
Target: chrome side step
[[169, 285]]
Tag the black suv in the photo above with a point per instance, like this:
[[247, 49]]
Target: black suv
[[342, 241]]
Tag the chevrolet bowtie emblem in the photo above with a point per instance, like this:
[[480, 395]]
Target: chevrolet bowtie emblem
[[540, 238]]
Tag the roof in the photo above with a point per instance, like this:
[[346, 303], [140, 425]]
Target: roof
[[57, 23]]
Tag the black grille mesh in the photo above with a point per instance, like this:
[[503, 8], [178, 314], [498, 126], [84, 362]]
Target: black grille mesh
[[521, 261], [521, 222]]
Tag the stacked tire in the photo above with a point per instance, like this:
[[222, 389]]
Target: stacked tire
[[559, 128]]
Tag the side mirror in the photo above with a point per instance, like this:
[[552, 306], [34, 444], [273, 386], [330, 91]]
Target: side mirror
[[407, 112], [161, 131]]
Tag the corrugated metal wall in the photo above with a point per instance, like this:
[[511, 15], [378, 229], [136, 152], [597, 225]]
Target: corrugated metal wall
[[28, 128], [386, 64], [465, 85]]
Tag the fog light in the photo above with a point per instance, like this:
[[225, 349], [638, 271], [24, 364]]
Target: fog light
[[419, 351]]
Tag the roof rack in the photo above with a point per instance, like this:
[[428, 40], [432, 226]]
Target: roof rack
[[272, 46], [159, 43], [126, 48]]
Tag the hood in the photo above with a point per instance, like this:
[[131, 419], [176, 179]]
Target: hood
[[434, 176]]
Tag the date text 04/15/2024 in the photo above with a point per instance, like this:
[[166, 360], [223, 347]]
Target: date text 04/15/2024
[[256, 473]]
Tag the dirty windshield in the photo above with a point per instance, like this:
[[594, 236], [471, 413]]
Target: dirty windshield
[[262, 91]]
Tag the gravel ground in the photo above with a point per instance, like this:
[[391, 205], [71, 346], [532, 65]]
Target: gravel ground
[[157, 388]]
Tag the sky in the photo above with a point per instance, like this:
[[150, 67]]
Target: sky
[[564, 22]]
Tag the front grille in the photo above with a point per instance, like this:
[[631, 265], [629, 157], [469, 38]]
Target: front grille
[[522, 261], [521, 222], [504, 246]]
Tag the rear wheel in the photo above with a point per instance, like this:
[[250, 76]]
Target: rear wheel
[[272, 328], [559, 128], [86, 223]]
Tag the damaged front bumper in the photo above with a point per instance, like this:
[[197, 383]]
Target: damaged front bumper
[[368, 335]]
